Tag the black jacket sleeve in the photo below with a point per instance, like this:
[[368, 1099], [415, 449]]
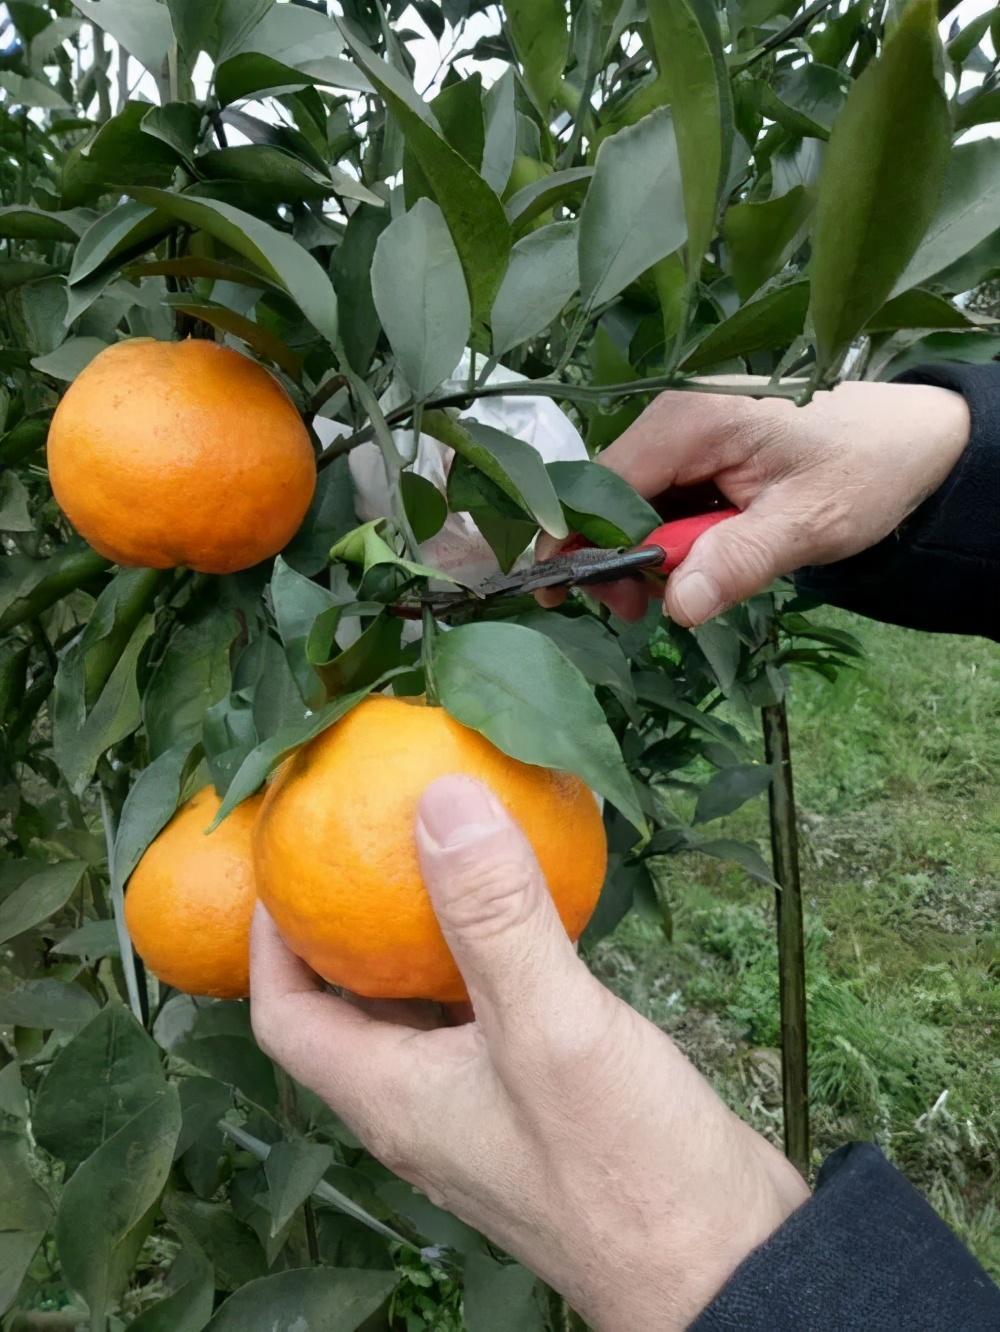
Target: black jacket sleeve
[[865, 1254], [940, 571]]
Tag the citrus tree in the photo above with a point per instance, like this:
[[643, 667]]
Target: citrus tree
[[571, 207]]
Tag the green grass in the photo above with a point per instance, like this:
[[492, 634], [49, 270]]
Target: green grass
[[899, 812]]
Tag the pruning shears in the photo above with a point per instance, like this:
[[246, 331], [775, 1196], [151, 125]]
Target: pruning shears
[[580, 564]]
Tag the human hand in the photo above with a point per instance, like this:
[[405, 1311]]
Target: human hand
[[561, 1124], [816, 484]]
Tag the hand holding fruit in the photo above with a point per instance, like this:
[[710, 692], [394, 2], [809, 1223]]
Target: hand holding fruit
[[560, 1123], [816, 484]]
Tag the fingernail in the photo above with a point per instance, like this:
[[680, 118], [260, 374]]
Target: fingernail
[[454, 811], [697, 596]]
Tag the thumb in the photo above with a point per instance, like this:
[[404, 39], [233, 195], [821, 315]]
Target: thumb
[[731, 562], [492, 903]]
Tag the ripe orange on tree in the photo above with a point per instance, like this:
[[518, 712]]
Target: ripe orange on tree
[[335, 857], [191, 898], [180, 453]]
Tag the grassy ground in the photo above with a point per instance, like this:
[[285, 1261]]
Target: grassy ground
[[897, 782]]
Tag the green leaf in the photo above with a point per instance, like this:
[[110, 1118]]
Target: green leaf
[[980, 109], [330, 516], [39, 898], [108, 1073], [623, 883], [760, 237], [149, 807], [190, 1296], [474, 214], [296, 34], [966, 216], [373, 653], [747, 857], [14, 513], [277, 255], [730, 788], [280, 176], [334, 1299], [805, 101], [599, 505], [115, 155], [261, 761], [24, 1204], [297, 602], [293, 1169], [881, 182], [24, 91], [720, 645], [633, 214], [70, 358], [420, 294], [426, 507], [105, 1210], [919, 308], [24, 222], [251, 74], [178, 125], [93, 940], [541, 195], [509, 683], [255, 335], [516, 467], [500, 1296], [96, 700], [192, 674], [590, 646], [501, 132], [772, 319], [353, 280], [542, 277], [141, 26], [689, 54], [111, 233], [47, 1004], [232, 1247], [17, 1250], [364, 546], [541, 40]]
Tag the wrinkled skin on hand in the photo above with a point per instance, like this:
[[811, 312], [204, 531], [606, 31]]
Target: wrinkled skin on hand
[[560, 1123], [816, 484]]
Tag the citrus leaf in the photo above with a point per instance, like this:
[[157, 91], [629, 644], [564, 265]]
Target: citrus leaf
[[966, 216], [499, 1296], [149, 806], [516, 688], [141, 26], [120, 229], [178, 125], [633, 214], [541, 195], [542, 276], [278, 256], [191, 675], [334, 1299], [920, 308], [254, 769], [516, 467], [689, 54], [426, 507], [252, 74], [474, 214], [541, 39], [109, 1072], [772, 319], [364, 546], [187, 1304], [760, 236], [297, 602], [255, 335], [24, 222], [730, 788], [14, 513], [420, 294], [881, 182], [106, 1208], [70, 358], [39, 897], [501, 132], [747, 857], [590, 646], [601, 506], [47, 1004], [293, 1169]]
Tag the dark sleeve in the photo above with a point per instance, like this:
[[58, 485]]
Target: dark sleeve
[[941, 570], [865, 1254]]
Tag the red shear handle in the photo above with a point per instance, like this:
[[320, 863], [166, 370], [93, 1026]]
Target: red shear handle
[[676, 538]]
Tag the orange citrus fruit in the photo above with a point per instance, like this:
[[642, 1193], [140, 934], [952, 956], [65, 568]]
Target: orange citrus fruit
[[190, 900], [336, 861], [180, 453]]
